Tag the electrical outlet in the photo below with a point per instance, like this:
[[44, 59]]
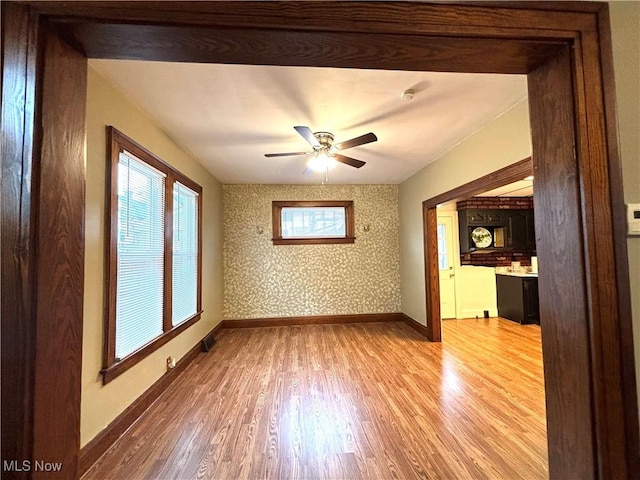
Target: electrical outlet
[[171, 363]]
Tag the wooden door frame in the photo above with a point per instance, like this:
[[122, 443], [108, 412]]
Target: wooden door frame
[[504, 176], [46, 291]]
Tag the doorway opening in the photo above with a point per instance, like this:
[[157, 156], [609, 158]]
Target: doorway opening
[[491, 233], [566, 52], [509, 174]]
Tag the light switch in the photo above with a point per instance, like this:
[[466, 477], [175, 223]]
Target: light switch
[[633, 218]]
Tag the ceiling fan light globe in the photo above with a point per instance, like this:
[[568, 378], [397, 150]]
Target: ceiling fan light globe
[[321, 162]]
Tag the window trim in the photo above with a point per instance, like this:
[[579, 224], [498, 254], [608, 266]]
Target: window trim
[[276, 218], [117, 142]]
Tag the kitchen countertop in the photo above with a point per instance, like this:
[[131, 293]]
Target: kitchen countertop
[[518, 274]]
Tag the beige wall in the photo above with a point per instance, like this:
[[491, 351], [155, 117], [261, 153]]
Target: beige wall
[[266, 280], [625, 32], [101, 404], [503, 141]]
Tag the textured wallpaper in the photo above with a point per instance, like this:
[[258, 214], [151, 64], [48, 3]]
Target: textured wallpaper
[[266, 280]]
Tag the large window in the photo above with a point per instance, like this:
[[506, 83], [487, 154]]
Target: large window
[[153, 252], [311, 222]]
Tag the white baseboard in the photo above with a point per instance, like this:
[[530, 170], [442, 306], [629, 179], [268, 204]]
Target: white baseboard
[[475, 312]]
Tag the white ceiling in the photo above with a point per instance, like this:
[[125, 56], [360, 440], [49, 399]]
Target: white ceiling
[[229, 116]]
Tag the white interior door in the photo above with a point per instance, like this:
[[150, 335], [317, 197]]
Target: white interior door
[[445, 265]]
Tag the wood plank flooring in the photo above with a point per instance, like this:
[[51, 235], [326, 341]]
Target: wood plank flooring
[[369, 401]]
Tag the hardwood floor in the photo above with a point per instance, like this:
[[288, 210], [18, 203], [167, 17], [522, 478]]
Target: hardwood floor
[[372, 401]]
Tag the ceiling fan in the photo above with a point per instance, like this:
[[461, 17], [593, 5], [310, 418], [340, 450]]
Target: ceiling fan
[[325, 153]]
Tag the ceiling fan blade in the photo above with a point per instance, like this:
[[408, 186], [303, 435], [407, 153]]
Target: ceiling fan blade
[[285, 154], [308, 135], [354, 142], [348, 160]]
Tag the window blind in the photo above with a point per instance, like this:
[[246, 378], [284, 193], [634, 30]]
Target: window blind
[[185, 253], [443, 261], [139, 298]]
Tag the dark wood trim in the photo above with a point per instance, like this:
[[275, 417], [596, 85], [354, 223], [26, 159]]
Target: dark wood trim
[[313, 241], [276, 217], [627, 360], [18, 205], [217, 329], [598, 161], [350, 221], [390, 17], [311, 320], [417, 326], [119, 140], [200, 253], [167, 320], [276, 226], [60, 265], [111, 252], [92, 451], [118, 368], [312, 203], [265, 45], [431, 274], [560, 5], [561, 254], [509, 174], [116, 143]]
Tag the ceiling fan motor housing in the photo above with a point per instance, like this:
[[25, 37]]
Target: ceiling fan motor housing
[[325, 139], [322, 143]]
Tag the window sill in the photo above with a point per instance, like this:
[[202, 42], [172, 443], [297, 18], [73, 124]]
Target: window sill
[[312, 241], [118, 368]]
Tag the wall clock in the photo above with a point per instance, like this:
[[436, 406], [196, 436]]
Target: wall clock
[[481, 237]]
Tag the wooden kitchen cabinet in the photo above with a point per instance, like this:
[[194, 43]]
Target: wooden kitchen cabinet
[[531, 231], [520, 231], [518, 298], [485, 217], [517, 224], [517, 230]]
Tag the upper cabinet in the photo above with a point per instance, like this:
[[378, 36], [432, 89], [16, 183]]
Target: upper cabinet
[[520, 230], [483, 218], [510, 230], [531, 232]]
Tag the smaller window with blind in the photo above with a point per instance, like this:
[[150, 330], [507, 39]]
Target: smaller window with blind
[[154, 254], [185, 253], [312, 222]]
